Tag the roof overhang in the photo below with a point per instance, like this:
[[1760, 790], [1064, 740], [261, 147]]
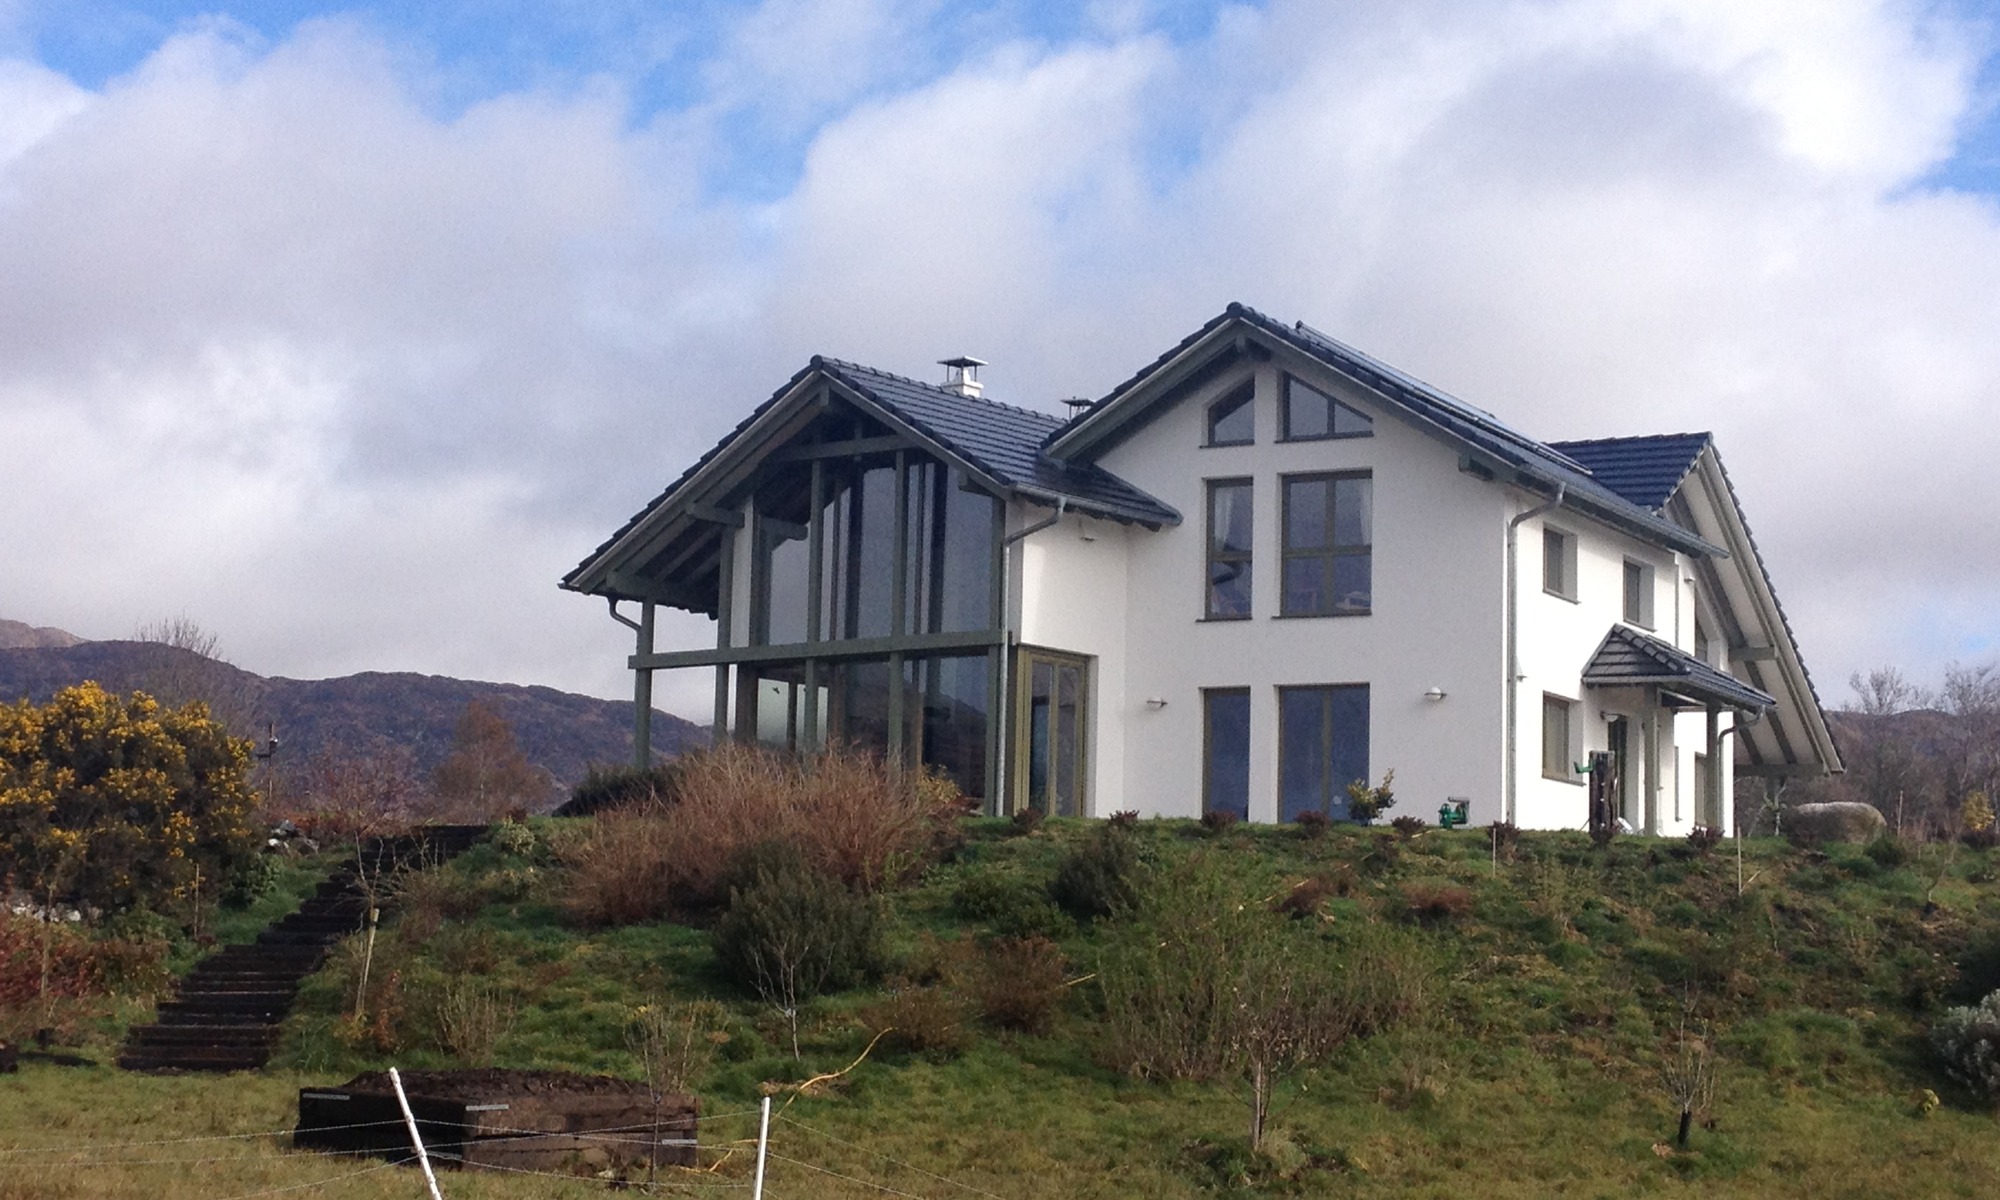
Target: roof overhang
[[1628, 658]]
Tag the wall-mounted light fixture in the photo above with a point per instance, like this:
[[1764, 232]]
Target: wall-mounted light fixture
[[1155, 702], [1434, 695]]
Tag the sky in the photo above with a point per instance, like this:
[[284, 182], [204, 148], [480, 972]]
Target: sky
[[346, 330]]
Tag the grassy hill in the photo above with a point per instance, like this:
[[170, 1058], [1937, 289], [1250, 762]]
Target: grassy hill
[[1550, 985]]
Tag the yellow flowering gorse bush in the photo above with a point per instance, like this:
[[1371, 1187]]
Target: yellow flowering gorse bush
[[117, 802]]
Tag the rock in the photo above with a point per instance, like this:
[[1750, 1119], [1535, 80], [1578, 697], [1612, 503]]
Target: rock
[[1839, 821]]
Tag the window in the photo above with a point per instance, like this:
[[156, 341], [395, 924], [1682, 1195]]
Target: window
[[1232, 420], [1225, 751], [1559, 563], [1328, 524], [1638, 594], [1229, 531], [1308, 414], [1322, 747], [1054, 706], [1556, 757]]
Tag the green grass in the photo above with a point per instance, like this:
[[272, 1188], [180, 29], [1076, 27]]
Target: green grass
[[1535, 1073]]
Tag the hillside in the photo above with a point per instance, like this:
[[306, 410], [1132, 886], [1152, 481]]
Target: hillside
[[353, 714], [1543, 992]]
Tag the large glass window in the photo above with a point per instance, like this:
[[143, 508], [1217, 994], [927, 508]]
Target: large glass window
[[950, 541], [1230, 528], [1225, 750], [1308, 414], [1232, 420], [1322, 747], [1328, 546]]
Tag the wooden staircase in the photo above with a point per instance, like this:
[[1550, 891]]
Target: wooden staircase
[[226, 1012]]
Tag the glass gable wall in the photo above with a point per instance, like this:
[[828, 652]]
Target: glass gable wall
[[904, 549]]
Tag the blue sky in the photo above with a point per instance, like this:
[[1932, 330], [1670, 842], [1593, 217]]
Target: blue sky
[[347, 329]]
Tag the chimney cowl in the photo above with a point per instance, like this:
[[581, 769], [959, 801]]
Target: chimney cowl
[[961, 374]]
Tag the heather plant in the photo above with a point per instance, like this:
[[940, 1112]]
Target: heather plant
[[1099, 877], [793, 933], [1703, 839], [1313, 825], [1967, 1041], [606, 788], [1011, 904], [1218, 821], [1020, 983]]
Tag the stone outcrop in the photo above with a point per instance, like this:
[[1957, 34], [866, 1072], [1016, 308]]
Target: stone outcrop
[[1838, 821]]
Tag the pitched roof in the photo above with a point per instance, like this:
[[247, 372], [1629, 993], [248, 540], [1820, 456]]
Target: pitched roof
[[1474, 428], [1628, 658], [1645, 470], [1004, 442]]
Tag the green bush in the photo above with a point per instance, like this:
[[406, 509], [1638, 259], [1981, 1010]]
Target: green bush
[[1012, 905], [1888, 852], [791, 932], [1100, 877], [1967, 1040], [258, 877], [606, 788]]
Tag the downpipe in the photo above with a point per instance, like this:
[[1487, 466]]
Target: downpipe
[[1512, 694]]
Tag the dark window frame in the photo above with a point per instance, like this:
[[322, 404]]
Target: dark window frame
[[1208, 698], [1333, 791], [1564, 560], [1334, 405], [1331, 551], [1638, 606], [1212, 556], [1236, 399], [1568, 708]]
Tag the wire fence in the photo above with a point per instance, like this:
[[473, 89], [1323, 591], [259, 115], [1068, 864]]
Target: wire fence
[[796, 1155]]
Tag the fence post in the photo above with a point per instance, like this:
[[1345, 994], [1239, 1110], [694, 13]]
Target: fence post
[[763, 1140], [417, 1140]]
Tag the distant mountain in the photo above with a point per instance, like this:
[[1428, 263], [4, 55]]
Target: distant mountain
[[15, 635], [356, 714]]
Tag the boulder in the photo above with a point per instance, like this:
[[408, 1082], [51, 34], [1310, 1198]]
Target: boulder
[[1838, 821]]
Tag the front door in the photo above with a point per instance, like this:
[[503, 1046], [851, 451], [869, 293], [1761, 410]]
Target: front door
[[1051, 720], [1619, 737]]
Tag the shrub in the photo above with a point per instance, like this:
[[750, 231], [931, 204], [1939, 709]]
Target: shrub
[[930, 1020], [1502, 837], [1435, 901], [471, 1018], [1124, 818], [258, 877], [1703, 840], [1313, 825], [514, 839], [606, 788], [118, 802], [1218, 821], [793, 932], [1099, 877], [1011, 904], [1981, 839], [676, 1042], [1602, 836], [1409, 826], [1365, 803], [1027, 820], [1304, 898], [1021, 984], [1967, 1040], [846, 813], [1888, 852]]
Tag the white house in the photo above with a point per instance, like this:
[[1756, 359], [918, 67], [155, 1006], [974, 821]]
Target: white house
[[1264, 567]]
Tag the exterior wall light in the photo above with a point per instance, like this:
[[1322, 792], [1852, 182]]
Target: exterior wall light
[[1155, 702], [1435, 695]]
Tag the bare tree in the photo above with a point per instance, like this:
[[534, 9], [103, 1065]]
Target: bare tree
[[1688, 1074], [181, 662]]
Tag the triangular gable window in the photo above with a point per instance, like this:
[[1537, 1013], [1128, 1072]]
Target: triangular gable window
[[1232, 420], [1309, 414]]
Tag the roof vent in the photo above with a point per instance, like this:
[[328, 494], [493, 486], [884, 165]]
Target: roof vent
[[961, 374], [1077, 405]]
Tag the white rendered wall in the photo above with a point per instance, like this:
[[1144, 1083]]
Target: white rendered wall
[[1436, 619], [1557, 637], [1068, 593]]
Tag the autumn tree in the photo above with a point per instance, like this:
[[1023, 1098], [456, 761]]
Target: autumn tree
[[121, 802], [486, 774]]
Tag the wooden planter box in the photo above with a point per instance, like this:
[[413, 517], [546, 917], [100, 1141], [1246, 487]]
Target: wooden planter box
[[522, 1120]]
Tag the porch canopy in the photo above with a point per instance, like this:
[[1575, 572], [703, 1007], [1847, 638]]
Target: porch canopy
[[1628, 658]]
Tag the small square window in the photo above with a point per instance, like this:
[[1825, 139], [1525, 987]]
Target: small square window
[[1232, 420], [1559, 563], [1638, 594], [1556, 758]]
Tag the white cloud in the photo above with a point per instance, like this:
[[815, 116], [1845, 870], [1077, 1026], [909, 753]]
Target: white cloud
[[353, 381]]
